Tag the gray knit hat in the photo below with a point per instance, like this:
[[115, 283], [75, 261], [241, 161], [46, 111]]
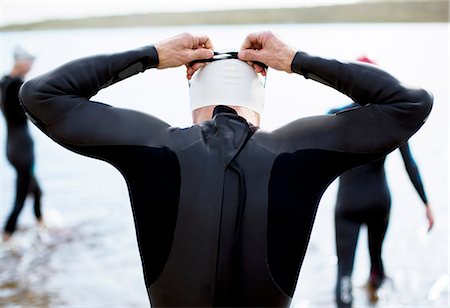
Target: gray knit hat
[[21, 53]]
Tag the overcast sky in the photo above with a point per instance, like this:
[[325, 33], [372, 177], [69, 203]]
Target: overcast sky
[[22, 11]]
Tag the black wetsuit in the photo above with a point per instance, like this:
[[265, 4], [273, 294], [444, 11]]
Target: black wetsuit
[[19, 150], [219, 216], [364, 198]]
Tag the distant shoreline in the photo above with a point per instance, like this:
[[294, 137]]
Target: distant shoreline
[[405, 11]]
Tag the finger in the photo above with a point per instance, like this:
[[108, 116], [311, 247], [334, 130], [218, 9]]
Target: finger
[[200, 54], [258, 69], [191, 69], [189, 72], [251, 41], [205, 41], [198, 65], [250, 55]]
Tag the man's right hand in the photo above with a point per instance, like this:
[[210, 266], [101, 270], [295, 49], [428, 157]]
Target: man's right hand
[[182, 50], [266, 47]]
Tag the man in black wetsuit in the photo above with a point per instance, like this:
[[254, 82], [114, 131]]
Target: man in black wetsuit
[[19, 145], [219, 218], [364, 198]]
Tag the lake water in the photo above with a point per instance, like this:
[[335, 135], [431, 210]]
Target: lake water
[[89, 256]]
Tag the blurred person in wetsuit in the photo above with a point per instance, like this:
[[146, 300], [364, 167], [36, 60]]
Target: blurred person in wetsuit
[[219, 218], [364, 198], [19, 144]]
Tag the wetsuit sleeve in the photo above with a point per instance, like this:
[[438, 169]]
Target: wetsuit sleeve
[[388, 113], [59, 103], [413, 171]]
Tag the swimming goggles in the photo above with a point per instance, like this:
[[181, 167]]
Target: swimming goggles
[[225, 56]]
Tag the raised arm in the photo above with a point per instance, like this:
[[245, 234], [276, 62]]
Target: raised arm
[[388, 115], [58, 101]]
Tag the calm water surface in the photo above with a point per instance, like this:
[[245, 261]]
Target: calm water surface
[[89, 256]]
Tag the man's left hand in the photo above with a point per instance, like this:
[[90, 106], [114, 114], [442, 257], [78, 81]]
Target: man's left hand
[[182, 50]]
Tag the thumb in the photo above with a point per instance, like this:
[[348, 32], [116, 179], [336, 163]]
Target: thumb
[[250, 55], [201, 53]]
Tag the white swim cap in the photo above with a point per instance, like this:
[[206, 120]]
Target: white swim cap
[[229, 82]]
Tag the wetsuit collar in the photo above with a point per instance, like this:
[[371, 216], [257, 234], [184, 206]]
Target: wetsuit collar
[[223, 109], [226, 132]]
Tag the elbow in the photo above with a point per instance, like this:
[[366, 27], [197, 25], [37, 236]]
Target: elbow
[[420, 103], [411, 111], [425, 101], [29, 95]]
